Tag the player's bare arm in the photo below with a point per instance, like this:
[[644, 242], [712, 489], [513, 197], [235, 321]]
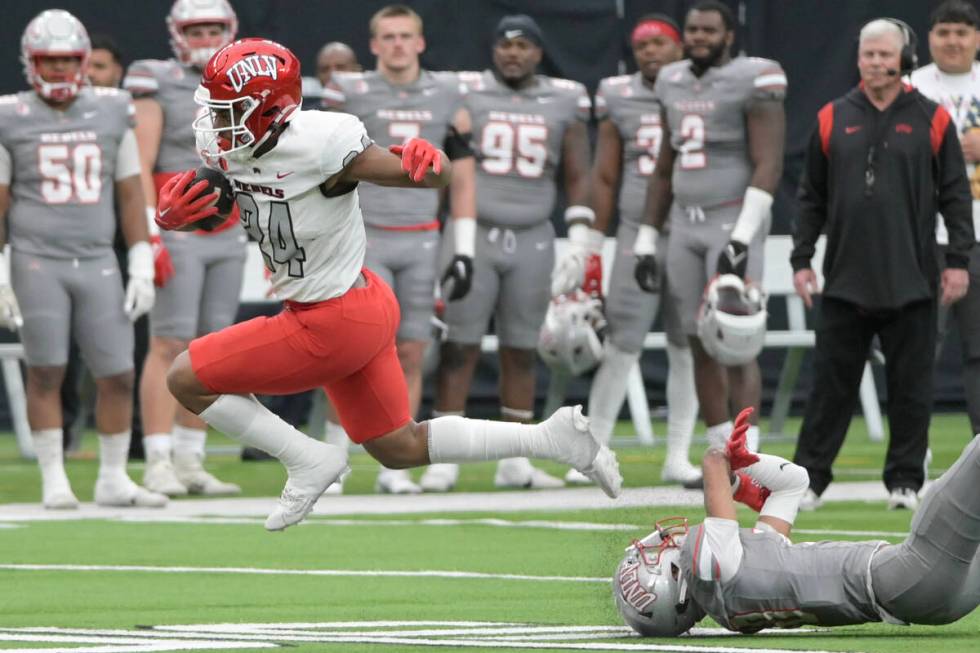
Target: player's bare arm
[[149, 129], [606, 171], [462, 189], [766, 125], [660, 193], [575, 166], [131, 209], [379, 166], [4, 207], [718, 500]]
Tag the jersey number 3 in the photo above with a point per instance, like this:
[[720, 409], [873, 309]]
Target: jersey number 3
[[70, 173], [278, 243]]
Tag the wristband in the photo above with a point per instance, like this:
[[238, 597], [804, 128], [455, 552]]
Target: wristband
[[646, 241], [579, 212], [755, 209], [464, 236]]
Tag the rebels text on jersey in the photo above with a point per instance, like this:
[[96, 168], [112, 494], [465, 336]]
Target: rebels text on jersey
[[312, 244], [392, 115], [706, 118], [630, 105], [63, 167], [517, 138]]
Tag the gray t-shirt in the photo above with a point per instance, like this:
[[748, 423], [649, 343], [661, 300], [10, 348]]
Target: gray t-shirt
[[393, 114], [629, 104], [781, 585], [517, 138], [63, 170], [172, 84], [706, 117]]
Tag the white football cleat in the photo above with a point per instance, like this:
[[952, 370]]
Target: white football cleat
[[59, 498], [192, 475], [810, 501], [440, 477], [159, 476], [337, 487], [575, 477], [122, 492], [395, 481], [326, 464], [683, 472], [574, 444], [519, 473], [903, 498]]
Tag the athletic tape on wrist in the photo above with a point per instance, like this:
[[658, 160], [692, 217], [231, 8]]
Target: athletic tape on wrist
[[464, 236], [756, 205]]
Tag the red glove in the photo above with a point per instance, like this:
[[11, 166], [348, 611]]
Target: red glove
[[163, 267], [592, 284], [739, 455], [179, 206], [418, 155], [750, 493]]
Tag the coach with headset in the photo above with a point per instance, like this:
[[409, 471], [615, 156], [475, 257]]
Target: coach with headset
[[880, 164]]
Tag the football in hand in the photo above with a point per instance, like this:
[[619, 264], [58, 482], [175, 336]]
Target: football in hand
[[216, 181]]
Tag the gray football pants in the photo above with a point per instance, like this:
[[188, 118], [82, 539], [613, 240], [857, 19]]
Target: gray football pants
[[933, 577]]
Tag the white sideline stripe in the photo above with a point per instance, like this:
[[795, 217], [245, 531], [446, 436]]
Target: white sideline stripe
[[502, 523], [431, 573]]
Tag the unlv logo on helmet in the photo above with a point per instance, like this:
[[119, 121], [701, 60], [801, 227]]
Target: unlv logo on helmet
[[242, 72]]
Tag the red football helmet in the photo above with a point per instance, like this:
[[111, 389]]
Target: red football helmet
[[55, 33], [185, 13], [250, 88]]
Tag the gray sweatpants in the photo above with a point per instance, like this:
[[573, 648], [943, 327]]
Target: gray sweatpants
[[933, 577]]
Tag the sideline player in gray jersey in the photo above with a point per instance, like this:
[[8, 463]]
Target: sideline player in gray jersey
[[199, 275], [748, 579], [64, 149], [396, 102], [720, 161], [524, 125], [626, 150]]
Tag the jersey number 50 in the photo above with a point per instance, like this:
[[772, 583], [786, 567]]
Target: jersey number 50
[[70, 172], [278, 245]]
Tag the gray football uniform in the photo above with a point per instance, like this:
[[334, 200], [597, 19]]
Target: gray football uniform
[[62, 223], [517, 138], [401, 223], [629, 104], [203, 294], [712, 169]]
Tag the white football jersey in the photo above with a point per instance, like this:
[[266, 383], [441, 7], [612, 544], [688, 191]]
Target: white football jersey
[[312, 244]]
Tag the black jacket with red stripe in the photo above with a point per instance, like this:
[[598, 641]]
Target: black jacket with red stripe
[[874, 181]]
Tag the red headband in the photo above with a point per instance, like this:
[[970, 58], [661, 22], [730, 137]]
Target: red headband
[[649, 28]]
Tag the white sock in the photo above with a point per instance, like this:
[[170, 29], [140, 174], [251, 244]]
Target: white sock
[[189, 441], [254, 425], [113, 453], [48, 446], [460, 440], [608, 390], [718, 434], [786, 481], [682, 404], [334, 433], [157, 446], [752, 438]]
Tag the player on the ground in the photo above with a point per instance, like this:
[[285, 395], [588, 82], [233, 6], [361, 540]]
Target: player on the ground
[[295, 176], [198, 275], [626, 149], [527, 129], [397, 102], [65, 150], [720, 161], [748, 579]]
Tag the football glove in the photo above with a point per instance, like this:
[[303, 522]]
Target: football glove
[[10, 316], [749, 492], [179, 205], [738, 453], [418, 155], [458, 277], [734, 259], [139, 289], [163, 266], [646, 271]]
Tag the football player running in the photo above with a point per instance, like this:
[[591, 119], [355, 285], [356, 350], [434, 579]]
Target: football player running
[[720, 160], [66, 150], [626, 150], [397, 102], [295, 176], [199, 274], [527, 129], [748, 579]]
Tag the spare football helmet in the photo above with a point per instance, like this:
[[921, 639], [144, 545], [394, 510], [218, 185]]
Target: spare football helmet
[[55, 33], [572, 333], [649, 589], [250, 88], [185, 13], [732, 320]]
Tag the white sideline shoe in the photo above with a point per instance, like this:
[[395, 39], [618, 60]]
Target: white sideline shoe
[[575, 445], [395, 481], [683, 472], [159, 476], [306, 484], [519, 473], [903, 498], [192, 475], [122, 492], [575, 477], [810, 501], [440, 477]]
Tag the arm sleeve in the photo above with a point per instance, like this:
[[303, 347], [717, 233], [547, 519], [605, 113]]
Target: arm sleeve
[[955, 200], [141, 80], [347, 138], [717, 550], [812, 197], [6, 166], [128, 157]]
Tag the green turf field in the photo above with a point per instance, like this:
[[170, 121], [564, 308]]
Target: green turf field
[[533, 579]]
